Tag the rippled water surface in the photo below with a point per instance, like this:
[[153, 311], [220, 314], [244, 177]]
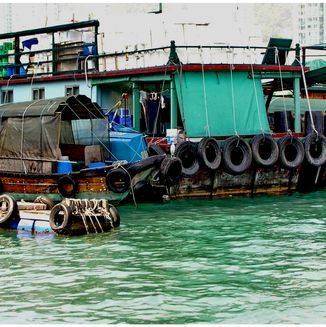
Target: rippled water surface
[[260, 260]]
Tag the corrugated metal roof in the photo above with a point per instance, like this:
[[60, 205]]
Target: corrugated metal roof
[[72, 107]]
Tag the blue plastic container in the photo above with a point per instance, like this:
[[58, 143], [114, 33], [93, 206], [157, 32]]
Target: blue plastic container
[[127, 146], [96, 165], [64, 167]]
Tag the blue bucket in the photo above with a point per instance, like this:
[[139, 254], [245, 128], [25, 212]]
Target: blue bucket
[[64, 166]]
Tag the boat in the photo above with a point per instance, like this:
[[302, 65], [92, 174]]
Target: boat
[[210, 107], [61, 148], [69, 217]]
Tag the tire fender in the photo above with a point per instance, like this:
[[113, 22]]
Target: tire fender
[[63, 182], [114, 215], [291, 152], [8, 208], [118, 180], [43, 199], [170, 171], [209, 153], [265, 150], [315, 149], [60, 217], [237, 155], [187, 152]]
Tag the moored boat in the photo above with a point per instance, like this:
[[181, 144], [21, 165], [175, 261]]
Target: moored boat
[[61, 148], [210, 107]]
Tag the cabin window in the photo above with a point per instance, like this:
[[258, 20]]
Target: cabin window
[[7, 96], [72, 90], [38, 94]]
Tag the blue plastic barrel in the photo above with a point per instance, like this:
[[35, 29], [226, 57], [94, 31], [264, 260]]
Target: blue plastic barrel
[[64, 166]]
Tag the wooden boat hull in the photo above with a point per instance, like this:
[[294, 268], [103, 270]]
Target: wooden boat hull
[[88, 184], [205, 183]]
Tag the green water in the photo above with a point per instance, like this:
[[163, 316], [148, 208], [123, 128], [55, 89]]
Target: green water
[[259, 260]]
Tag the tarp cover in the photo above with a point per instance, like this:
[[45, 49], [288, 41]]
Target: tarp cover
[[30, 138], [33, 130], [206, 104]]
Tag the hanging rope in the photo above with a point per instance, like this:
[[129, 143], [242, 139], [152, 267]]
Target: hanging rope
[[281, 80], [180, 76], [22, 135], [159, 103], [307, 96], [85, 67], [205, 95], [255, 91], [6, 94], [232, 90]]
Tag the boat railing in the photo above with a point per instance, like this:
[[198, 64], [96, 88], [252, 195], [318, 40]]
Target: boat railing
[[80, 57]]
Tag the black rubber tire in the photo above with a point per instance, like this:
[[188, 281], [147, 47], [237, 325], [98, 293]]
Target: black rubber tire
[[315, 149], [155, 149], [291, 152], [63, 182], [170, 171], [8, 208], [265, 150], [115, 216], [118, 180], [187, 152], [237, 155], [43, 199], [59, 222], [209, 153]]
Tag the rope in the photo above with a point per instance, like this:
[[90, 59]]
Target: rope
[[22, 135], [277, 59], [159, 103], [307, 96], [89, 214], [204, 90], [85, 67], [182, 111], [232, 92], [6, 94], [255, 90]]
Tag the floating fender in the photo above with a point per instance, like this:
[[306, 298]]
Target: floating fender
[[315, 149], [43, 199], [187, 152], [264, 150], [209, 153], [60, 217], [155, 149], [291, 151], [114, 215], [141, 165], [67, 186], [8, 208], [170, 171], [237, 155], [118, 180]]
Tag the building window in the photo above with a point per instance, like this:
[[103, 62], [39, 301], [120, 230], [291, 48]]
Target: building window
[[71, 90], [38, 94], [7, 96]]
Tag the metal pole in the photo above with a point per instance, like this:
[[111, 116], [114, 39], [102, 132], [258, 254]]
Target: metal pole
[[297, 110], [174, 105]]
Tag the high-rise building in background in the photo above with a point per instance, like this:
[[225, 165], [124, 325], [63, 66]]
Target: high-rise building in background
[[311, 23], [129, 25]]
